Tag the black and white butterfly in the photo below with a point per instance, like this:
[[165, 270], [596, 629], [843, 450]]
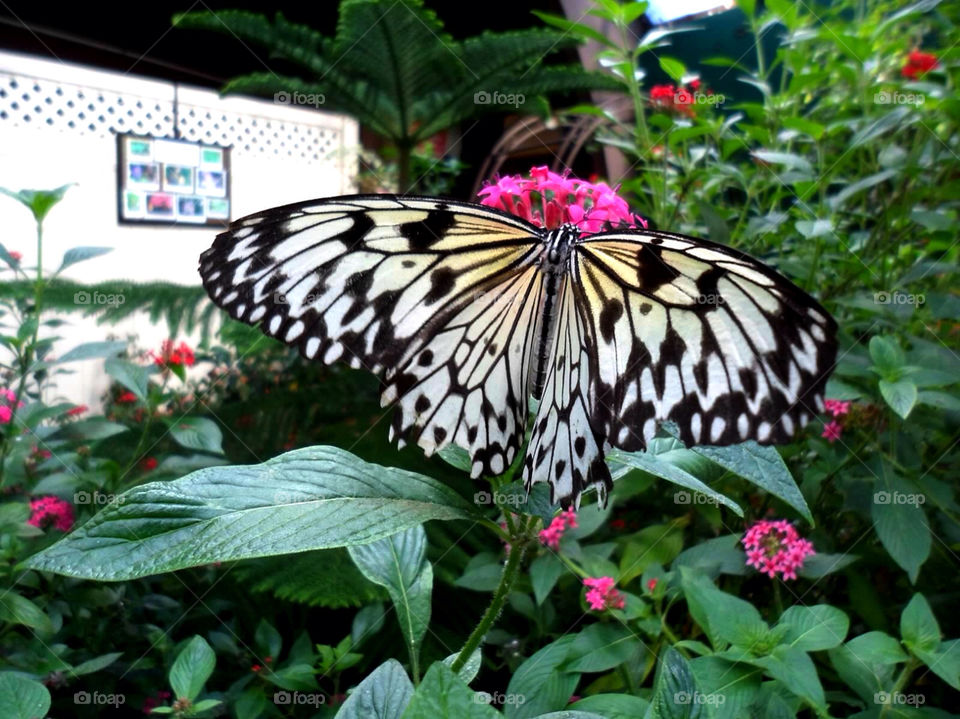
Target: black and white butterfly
[[467, 311]]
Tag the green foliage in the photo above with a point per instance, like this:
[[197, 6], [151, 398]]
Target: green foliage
[[394, 68]]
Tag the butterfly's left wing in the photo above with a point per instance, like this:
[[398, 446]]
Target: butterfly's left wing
[[439, 297], [700, 334]]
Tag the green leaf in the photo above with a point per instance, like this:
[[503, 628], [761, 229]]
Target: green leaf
[[659, 467], [918, 626], [675, 691], [539, 685], [39, 202], [267, 639], [944, 661], [814, 228], [197, 433], [93, 350], [732, 687], [902, 528], [601, 647], [399, 563], [192, 667], [887, 356], [79, 254], [900, 395], [813, 628], [384, 694], [90, 429], [820, 565], [132, 376], [674, 68], [838, 200], [761, 465], [545, 570], [719, 555], [789, 160], [443, 695], [468, 672], [367, 622], [17, 609], [313, 498], [866, 663], [22, 698], [722, 616], [794, 668], [613, 706], [96, 664]]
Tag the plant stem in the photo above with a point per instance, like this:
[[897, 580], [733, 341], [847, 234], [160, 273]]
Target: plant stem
[[518, 545], [901, 682]]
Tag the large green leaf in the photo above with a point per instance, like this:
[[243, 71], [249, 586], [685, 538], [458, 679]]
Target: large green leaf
[[539, 685], [399, 563], [723, 616], [658, 466], [761, 465], [444, 695], [384, 694], [675, 691], [902, 527], [812, 628], [22, 698], [313, 498], [866, 663], [192, 667]]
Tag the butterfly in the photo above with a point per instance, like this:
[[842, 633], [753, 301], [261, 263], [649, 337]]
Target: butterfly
[[467, 311]]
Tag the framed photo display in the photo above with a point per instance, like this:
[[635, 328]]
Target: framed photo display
[[172, 182]]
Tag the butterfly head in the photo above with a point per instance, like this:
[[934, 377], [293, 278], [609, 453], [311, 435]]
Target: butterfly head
[[559, 242]]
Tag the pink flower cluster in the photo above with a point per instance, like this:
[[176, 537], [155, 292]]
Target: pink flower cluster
[[774, 547], [46, 511], [551, 535], [602, 593], [7, 400], [549, 200], [837, 409]]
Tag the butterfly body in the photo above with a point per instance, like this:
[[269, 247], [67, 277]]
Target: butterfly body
[[466, 311]]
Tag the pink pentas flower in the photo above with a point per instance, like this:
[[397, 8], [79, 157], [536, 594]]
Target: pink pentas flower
[[774, 547], [832, 431], [836, 407], [552, 535], [602, 593], [8, 398], [47, 511], [548, 199]]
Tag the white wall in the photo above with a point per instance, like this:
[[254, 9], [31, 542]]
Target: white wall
[[58, 124]]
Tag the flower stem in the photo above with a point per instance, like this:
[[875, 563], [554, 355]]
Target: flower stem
[[518, 545]]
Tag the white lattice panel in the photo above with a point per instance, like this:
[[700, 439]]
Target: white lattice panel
[[76, 100]]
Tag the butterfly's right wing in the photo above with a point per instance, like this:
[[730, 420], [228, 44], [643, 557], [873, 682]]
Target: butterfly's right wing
[[437, 296]]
